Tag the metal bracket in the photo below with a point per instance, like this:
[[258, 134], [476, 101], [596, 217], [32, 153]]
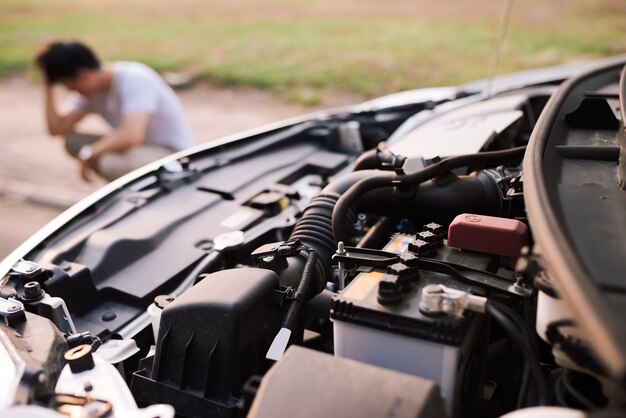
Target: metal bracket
[[365, 257], [279, 249], [27, 269], [352, 257], [12, 312]]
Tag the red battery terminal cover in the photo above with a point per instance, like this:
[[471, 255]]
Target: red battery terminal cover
[[488, 234]]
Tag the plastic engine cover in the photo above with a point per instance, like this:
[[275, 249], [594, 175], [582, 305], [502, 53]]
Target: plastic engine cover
[[307, 383], [211, 339]]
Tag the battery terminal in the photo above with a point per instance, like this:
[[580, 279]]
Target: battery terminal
[[439, 299]]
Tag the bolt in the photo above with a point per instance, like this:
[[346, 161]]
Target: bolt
[[32, 290], [341, 250], [87, 386]]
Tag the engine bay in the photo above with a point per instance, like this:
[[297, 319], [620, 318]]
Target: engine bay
[[372, 262]]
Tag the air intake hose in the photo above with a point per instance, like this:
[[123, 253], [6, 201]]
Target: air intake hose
[[442, 199], [390, 180], [314, 229]]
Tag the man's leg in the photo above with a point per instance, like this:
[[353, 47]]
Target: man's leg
[[113, 165], [74, 141]]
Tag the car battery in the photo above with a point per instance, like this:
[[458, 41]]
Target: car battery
[[373, 326]]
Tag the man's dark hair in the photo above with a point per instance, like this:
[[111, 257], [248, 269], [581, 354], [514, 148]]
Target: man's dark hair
[[63, 60]]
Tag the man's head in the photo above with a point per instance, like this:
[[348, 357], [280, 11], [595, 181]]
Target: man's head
[[72, 64]]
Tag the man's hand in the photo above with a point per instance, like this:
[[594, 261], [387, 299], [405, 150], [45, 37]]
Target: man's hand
[[57, 123], [129, 135], [87, 171], [88, 162]]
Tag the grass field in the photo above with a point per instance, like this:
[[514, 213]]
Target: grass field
[[305, 49]]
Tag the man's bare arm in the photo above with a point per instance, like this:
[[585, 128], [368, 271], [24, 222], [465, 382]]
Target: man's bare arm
[[58, 124], [132, 132]]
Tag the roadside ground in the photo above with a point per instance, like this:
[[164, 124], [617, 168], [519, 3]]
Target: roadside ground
[[38, 180]]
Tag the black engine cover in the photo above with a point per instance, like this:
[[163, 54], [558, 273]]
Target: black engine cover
[[211, 339]]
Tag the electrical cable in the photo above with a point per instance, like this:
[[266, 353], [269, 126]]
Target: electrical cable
[[521, 397], [532, 344], [301, 294], [571, 390], [497, 311], [279, 345], [559, 392], [528, 337]]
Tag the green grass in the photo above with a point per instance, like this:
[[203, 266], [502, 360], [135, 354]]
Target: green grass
[[304, 57]]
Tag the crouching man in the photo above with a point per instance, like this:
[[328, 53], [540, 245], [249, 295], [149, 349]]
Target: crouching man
[[146, 116]]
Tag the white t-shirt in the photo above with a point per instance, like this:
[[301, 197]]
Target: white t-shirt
[[138, 88]]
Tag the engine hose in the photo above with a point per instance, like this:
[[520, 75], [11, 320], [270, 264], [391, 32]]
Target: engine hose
[[367, 161], [384, 179], [341, 184], [314, 226], [314, 229], [379, 158], [440, 200]]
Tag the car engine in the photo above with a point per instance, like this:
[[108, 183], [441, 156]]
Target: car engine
[[450, 254]]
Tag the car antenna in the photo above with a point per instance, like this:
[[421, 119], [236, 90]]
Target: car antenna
[[504, 25]]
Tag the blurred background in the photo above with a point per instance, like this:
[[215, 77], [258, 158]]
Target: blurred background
[[245, 63]]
